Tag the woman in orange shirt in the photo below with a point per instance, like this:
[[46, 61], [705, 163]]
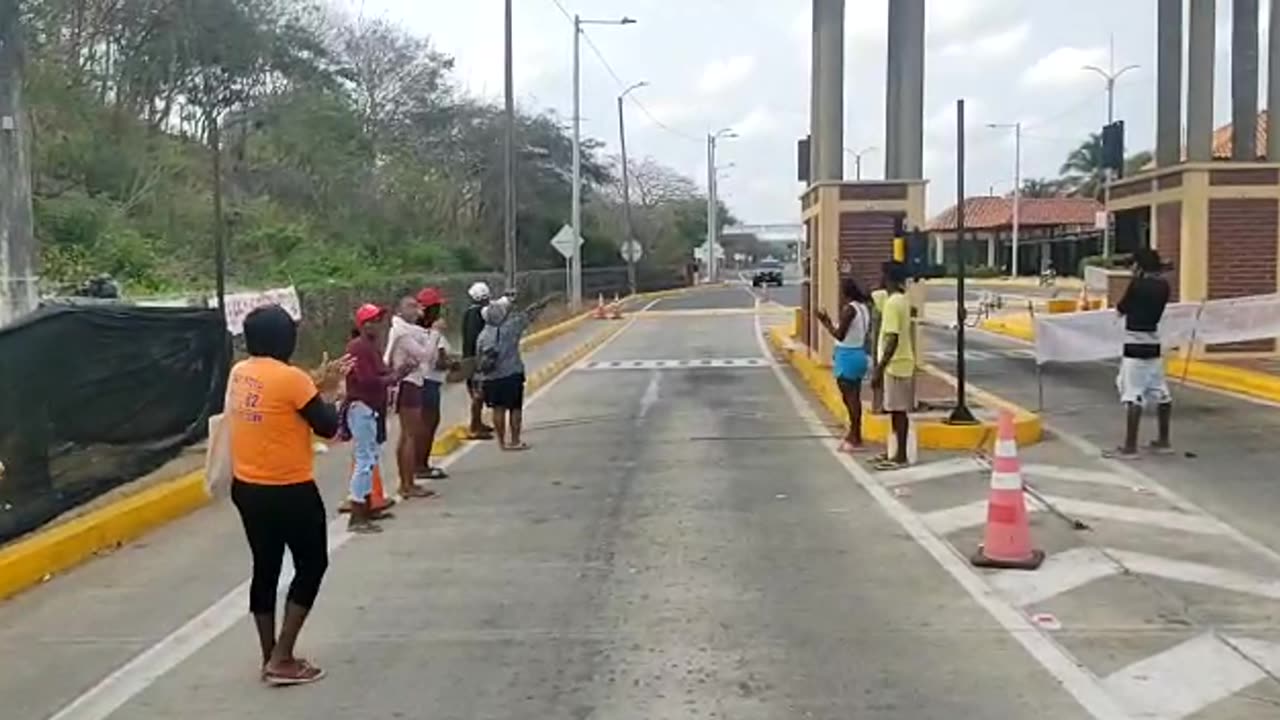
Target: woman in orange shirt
[[273, 408]]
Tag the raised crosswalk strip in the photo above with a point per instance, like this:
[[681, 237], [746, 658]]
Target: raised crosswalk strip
[[677, 364]]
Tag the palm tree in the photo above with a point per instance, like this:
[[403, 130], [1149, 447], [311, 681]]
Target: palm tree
[[1082, 173], [1041, 188]]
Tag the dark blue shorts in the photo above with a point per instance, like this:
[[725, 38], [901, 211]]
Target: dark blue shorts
[[431, 395]]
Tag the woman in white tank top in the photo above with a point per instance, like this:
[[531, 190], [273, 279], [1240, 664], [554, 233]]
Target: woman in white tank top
[[850, 361]]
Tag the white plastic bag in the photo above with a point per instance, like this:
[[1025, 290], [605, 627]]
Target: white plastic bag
[[217, 459]]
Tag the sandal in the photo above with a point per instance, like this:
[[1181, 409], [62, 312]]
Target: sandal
[[297, 672], [480, 434], [1157, 449], [431, 473], [889, 464], [519, 447], [1120, 454], [418, 492], [364, 528]]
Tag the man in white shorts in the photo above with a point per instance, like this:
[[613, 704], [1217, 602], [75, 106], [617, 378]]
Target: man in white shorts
[[1142, 378]]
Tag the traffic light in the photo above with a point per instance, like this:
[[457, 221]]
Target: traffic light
[[802, 159], [1113, 148]]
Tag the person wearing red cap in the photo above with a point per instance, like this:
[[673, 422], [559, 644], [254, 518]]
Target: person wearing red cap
[[367, 386], [435, 369]]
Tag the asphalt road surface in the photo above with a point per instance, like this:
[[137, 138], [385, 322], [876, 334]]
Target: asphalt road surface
[[681, 542]]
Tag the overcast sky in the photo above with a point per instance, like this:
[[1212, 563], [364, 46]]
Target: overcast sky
[[745, 64]]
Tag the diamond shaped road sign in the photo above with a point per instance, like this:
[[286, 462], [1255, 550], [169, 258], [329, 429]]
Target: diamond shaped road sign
[[563, 242]]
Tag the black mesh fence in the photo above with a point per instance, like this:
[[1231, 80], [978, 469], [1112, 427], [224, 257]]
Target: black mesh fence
[[94, 396]]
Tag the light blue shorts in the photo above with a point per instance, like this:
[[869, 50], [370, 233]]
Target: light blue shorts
[[850, 363]]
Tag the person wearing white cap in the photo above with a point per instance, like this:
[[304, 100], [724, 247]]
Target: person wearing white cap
[[472, 324]]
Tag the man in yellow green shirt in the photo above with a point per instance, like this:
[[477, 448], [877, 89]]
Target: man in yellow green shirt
[[895, 366]]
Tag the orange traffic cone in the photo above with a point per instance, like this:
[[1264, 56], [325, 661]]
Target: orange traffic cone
[[600, 311], [378, 500], [615, 310], [1008, 538]]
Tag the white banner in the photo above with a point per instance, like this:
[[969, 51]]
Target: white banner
[[1099, 334], [1256, 317], [239, 305]]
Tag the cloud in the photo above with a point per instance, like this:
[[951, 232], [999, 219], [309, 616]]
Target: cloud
[[1000, 44], [726, 73], [757, 122], [1062, 67]]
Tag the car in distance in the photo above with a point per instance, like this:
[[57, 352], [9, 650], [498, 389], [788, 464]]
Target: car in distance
[[768, 273]]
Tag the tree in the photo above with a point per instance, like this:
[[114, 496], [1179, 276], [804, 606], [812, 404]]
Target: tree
[[1041, 188], [1083, 172]]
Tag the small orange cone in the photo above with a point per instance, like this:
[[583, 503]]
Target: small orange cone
[[378, 499], [1008, 537], [615, 310], [600, 311]]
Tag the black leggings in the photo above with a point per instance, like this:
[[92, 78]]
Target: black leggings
[[276, 517]]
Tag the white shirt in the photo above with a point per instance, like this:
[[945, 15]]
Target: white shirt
[[856, 335], [434, 341], [410, 344]]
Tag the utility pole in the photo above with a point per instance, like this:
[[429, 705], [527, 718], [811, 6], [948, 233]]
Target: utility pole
[[575, 218], [626, 186], [711, 208], [509, 165], [1017, 189], [575, 261], [18, 287]]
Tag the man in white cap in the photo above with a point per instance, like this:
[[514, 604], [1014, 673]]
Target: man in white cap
[[472, 324]]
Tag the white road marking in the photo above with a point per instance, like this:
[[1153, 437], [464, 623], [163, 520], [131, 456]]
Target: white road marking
[[1183, 680], [1124, 470], [932, 471], [1072, 474], [949, 520], [676, 364], [1060, 573], [1198, 573], [650, 397], [134, 677], [1076, 680]]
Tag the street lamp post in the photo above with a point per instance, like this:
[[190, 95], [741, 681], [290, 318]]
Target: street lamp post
[[626, 187], [1017, 188], [713, 209], [575, 261], [857, 159], [509, 162], [1110, 75]]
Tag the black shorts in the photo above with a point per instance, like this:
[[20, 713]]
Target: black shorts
[[505, 393]]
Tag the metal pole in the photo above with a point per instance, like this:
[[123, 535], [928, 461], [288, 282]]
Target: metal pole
[[18, 243], [960, 415], [509, 168], [714, 214], [1106, 211], [857, 167], [575, 260], [626, 198], [219, 225], [711, 198], [1017, 194]]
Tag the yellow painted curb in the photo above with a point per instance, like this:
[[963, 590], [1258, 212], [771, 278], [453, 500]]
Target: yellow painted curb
[[31, 561], [930, 434], [1014, 326]]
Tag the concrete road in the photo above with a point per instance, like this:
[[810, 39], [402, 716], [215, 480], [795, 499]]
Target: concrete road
[[681, 542]]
